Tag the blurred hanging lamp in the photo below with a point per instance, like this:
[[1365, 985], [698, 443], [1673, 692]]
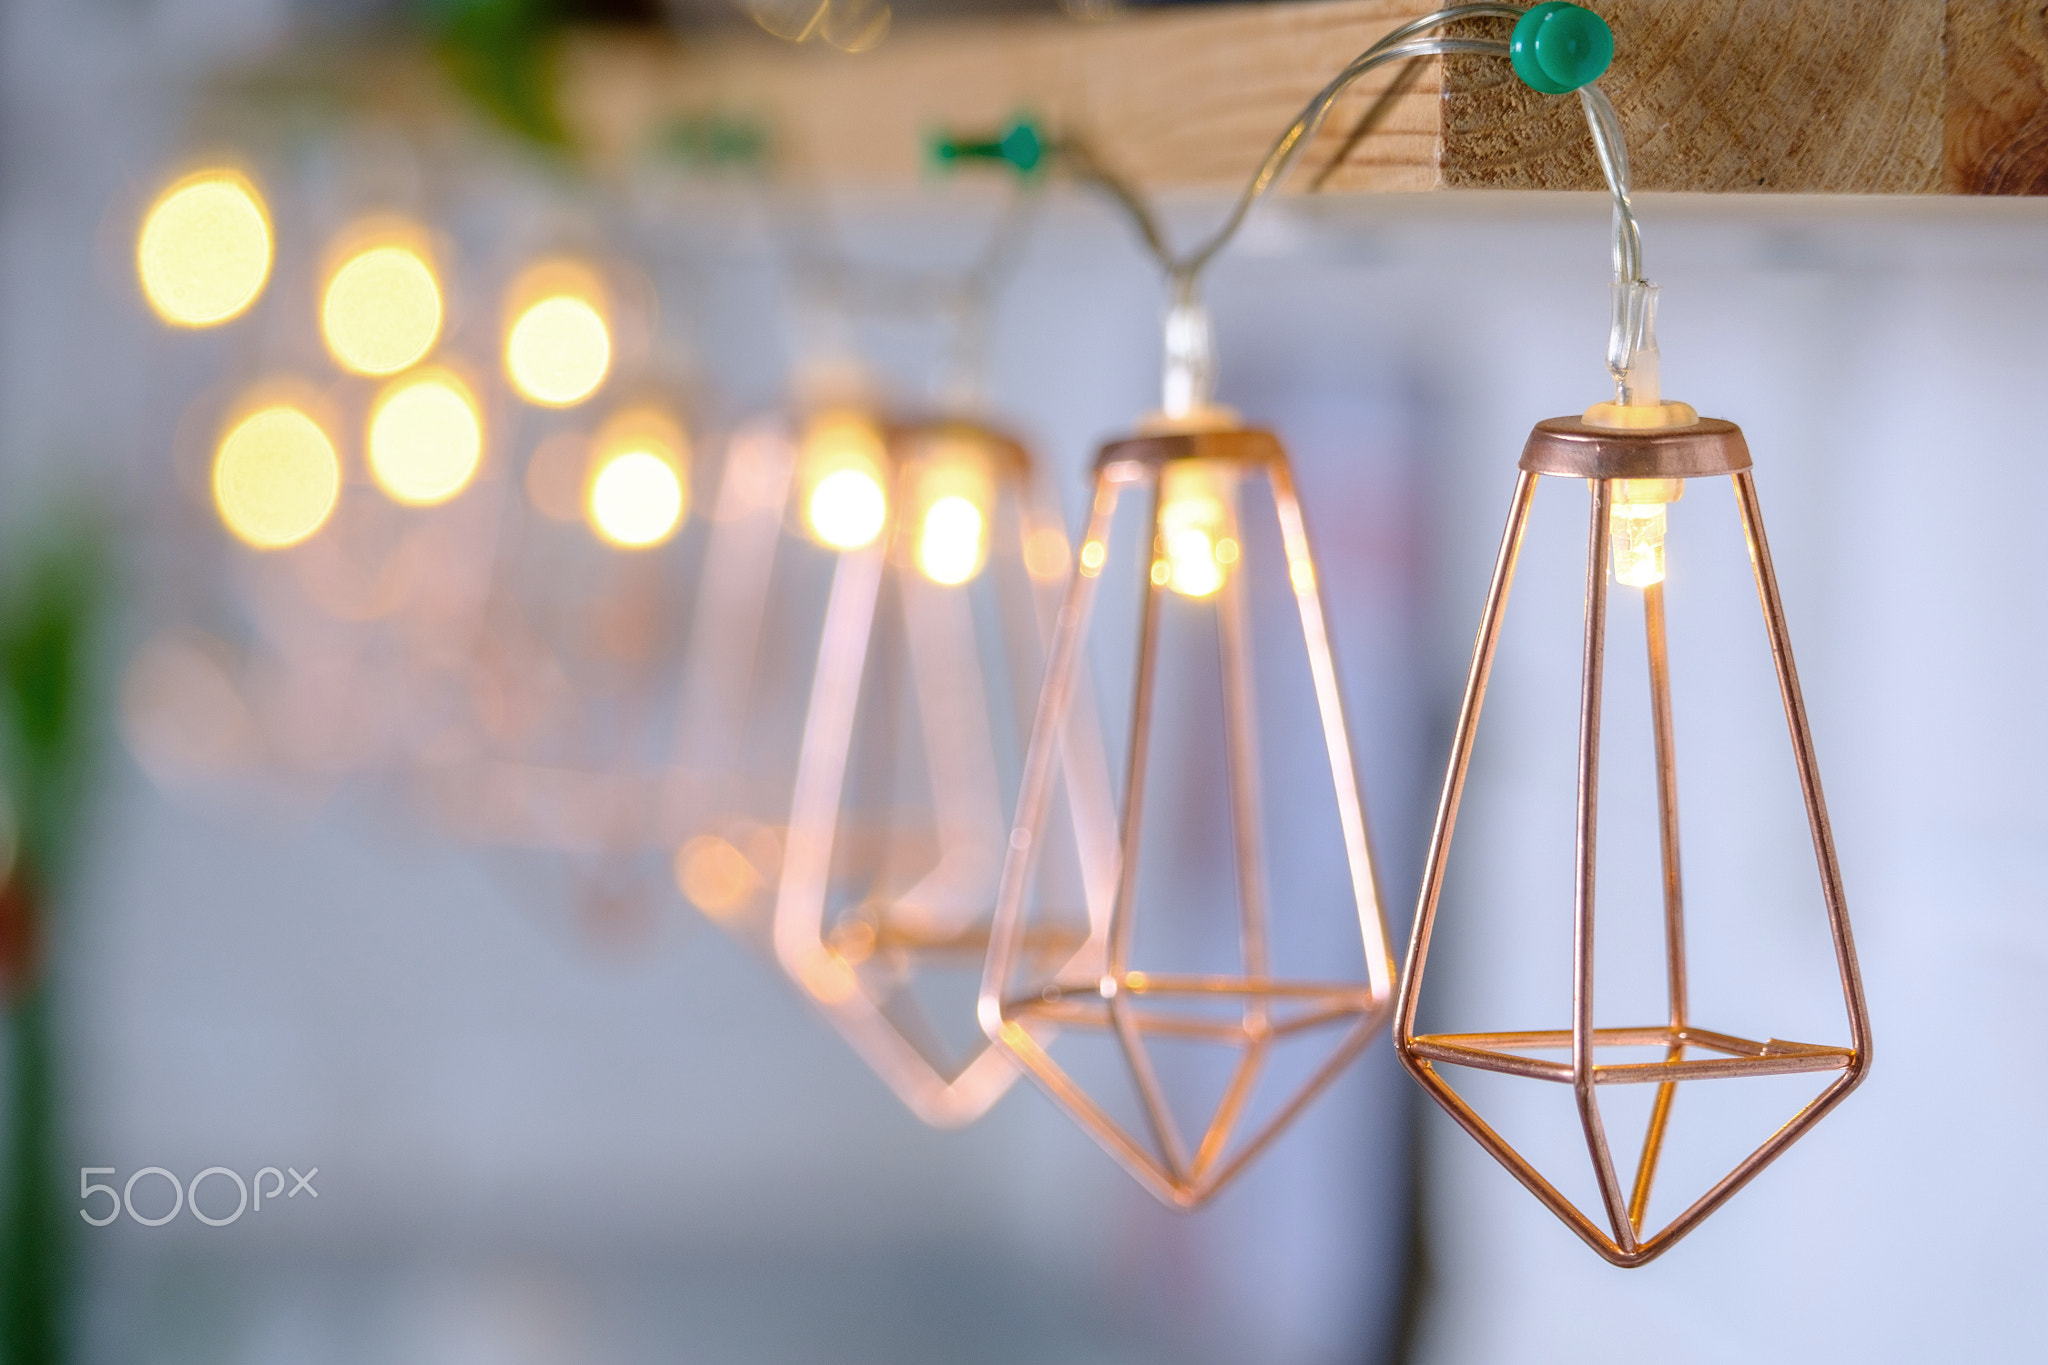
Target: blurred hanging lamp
[[1635, 455], [933, 640], [1218, 521], [1199, 477], [931, 645]]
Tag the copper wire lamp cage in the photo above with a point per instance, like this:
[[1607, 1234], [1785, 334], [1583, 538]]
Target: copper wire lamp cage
[[1624, 469], [725, 804], [931, 649], [1195, 544]]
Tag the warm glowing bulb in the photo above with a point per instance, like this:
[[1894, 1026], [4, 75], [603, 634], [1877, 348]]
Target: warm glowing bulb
[[951, 484], [1637, 531], [847, 509], [949, 546], [204, 250], [276, 478], [381, 311], [558, 350], [1636, 528], [843, 457], [425, 440], [1195, 543], [1192, 568], [717, 877], [636, 499]]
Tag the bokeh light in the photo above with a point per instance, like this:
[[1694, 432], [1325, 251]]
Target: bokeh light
[[275, 477], [204, 250], [1196, 545], [1047, 554], [637, 491], [716, 877], [955, 488], [949, 545], [382, 310], [636, 499], [426, 440], [843, 458], [847, 509], [558, 346]]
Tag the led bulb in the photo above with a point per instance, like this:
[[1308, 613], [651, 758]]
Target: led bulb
[[558, 345], [203, 253], [636, 499], [425, 440], [1636, 528], [1638, 538], [382, 310], [637, 492], [275, 477], [843, 457], [1196, 542], [949, 546], [847, 508], [954, 487]]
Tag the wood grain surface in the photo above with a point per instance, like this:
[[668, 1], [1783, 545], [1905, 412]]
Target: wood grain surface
[[1721, 96], [1995, 116]]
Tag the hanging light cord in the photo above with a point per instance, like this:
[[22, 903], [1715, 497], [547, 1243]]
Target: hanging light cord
[[829, 278], [1187, 340]]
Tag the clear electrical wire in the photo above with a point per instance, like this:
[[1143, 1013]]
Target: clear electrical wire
[[1189, 353]]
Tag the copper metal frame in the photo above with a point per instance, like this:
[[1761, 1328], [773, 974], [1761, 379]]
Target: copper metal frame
[[1104, 995], [858, 986], [1567, 447]]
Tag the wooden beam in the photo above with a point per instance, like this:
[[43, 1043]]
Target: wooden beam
[[1995, 113], [1804, 96]]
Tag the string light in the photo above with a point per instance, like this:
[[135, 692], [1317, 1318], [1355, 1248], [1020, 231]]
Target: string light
[[896, 838], [716, 876], [203, 253], [955, 491], [1634, 455], [1196, 545], [636, 500], [842, 463], [949, 545], [1243, 1002], [275, 477], [1638, 527], [426, 439], [637, 496], [381, 310], [558, 347]]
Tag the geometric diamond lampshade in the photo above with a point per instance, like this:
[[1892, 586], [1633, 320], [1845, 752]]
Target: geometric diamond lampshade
[[1631, 474]]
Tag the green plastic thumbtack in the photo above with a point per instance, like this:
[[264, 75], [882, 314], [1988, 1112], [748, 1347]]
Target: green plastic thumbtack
[[1556, 48], [1020, 145]]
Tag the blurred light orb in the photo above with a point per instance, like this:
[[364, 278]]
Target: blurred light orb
[[949, 547], [1046, 554], [558, 350], [382, 310], [426, 439], [636, 499], [203, 254], [847, 509], [716, 877], [275, 478]]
